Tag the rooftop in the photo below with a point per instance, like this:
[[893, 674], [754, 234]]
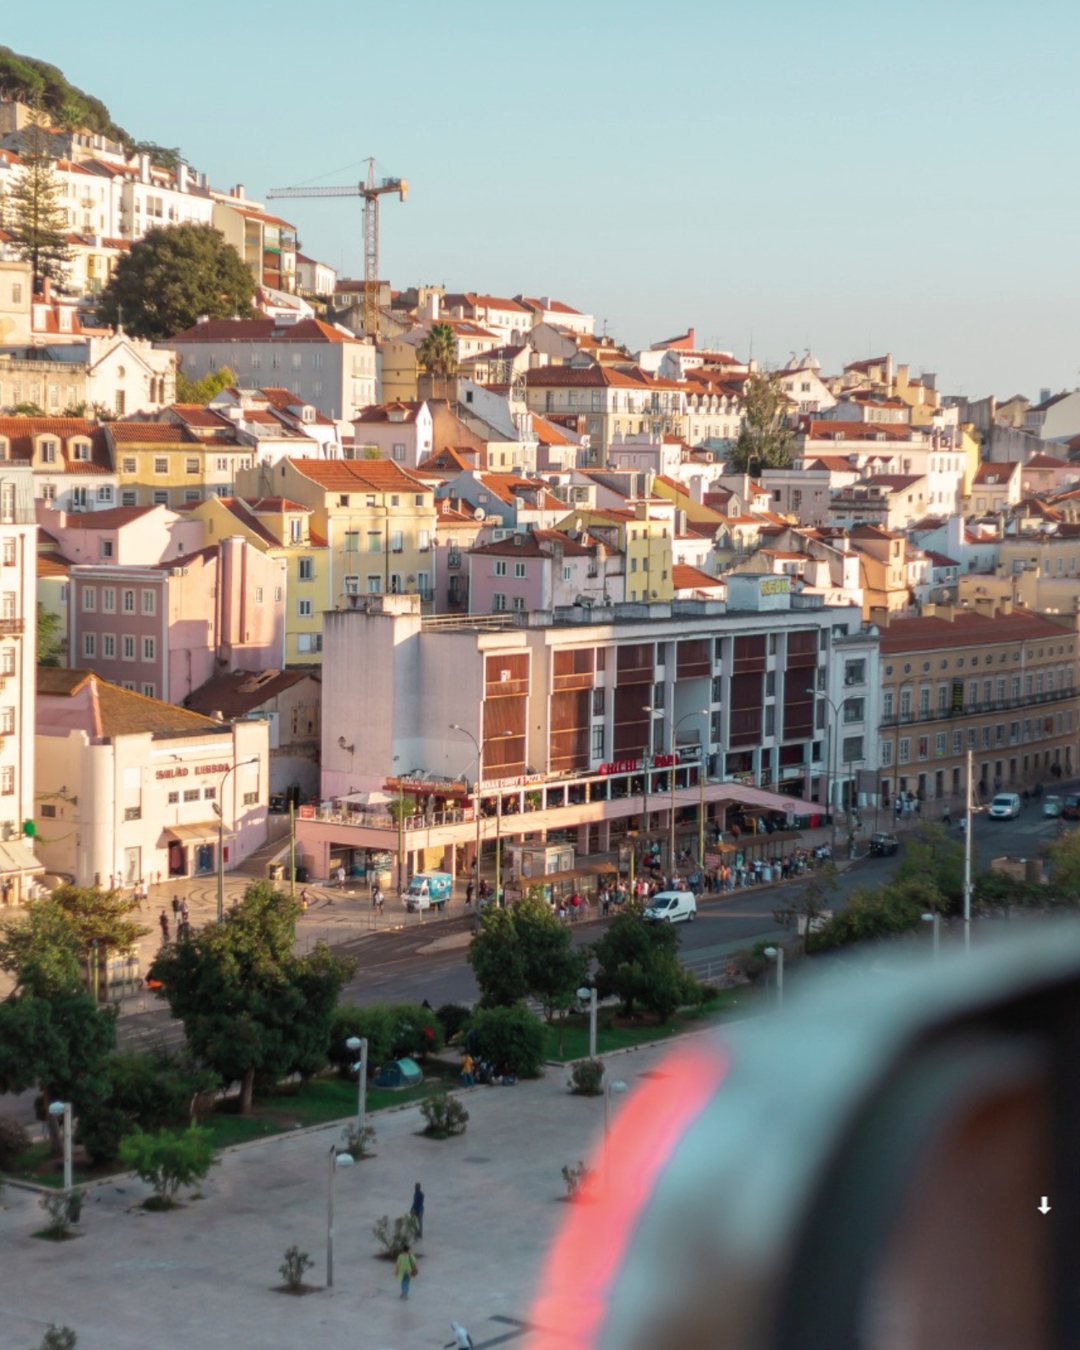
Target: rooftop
[[121, 712]]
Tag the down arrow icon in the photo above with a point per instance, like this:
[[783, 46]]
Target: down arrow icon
[[1044, 1208]]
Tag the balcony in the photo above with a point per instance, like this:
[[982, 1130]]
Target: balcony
[[9, 627], [981, 709], [453, 557]]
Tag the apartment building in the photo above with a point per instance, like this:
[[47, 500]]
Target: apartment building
[[319, 363], [608, 403], [129, 787], [70, 462], [377, 519], [992, 680], [265, 242], [643, 532], [568, 705], [168, 464], [542, 570]]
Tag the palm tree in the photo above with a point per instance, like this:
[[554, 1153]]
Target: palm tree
[[438, 352]]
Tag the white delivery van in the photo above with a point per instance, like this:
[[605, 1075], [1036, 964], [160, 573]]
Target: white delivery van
[[671, 907]]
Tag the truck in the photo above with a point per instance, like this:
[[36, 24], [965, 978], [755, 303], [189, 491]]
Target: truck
[[428, 890]]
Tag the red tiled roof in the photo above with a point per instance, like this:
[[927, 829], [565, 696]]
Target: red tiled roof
[[356, 475], [685, 578], [825, 429], [262, 330], [531, 545], [992, 474], [929, 632], [1047, 462], [381, 412], [151, 433], [241, 691], [552, 307]]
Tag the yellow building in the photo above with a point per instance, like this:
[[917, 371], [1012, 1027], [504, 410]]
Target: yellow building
[[643, 532], [377, 519], [282, 529], [398, 371], [158, 463], [882, 571]]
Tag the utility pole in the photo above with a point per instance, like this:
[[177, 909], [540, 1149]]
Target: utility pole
[[967, 859]]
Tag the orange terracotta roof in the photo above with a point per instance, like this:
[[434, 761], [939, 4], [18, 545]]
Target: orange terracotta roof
[[356, 475], [262, 330], [686, 578]]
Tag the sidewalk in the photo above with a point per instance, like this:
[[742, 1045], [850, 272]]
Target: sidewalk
[[202, 1275]]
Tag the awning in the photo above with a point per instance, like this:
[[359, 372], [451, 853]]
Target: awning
[[206, 833], [367, 799], [16, 857], [771, 801]]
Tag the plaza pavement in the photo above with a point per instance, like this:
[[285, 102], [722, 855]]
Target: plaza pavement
[[201, 1276]]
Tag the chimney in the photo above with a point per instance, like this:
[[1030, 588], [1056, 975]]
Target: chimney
[[1044, 394], [545, 301], [144, 168], [181, 177], [1005, 606], [690, 340], [238, 191], [431, 306]]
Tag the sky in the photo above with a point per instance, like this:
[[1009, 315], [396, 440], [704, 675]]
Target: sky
[[846, 177]]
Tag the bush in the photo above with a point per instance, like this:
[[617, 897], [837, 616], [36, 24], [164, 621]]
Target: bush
[[452, 1017], [393, 1240], [58, 1338], [587, 1078], [510, 1038], [155, 1090], [444, 1114], [166, 1161], [358, 1142], [293, 1267], [59, 1212], [14, 1139], [393, 1030], [576, 1178], [101, 1131]]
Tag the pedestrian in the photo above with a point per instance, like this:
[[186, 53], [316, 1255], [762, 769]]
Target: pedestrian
[[175, 905], [376, 898], [341, 878], [417, 1210], [303, 901], [379, 904], [946, 816], [164, 921], [470, 891], [405, 1270], [184, 911], [468, 1070]]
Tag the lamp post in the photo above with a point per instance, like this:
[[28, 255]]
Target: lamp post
[[645, 780], [219, 806], [700, 712], [355, 1043], [609, 1087], [336, 1160], [830, 764], [480, 746], [967, 859], [777, 954], [935, 919], [57, 1109], [589, 992]]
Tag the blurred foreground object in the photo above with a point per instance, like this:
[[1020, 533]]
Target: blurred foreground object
[[864, 1171]]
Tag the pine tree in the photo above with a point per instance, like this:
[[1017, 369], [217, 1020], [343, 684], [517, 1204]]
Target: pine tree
[[38, 224]]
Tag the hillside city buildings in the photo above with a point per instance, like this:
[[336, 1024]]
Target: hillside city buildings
[[539, 593]]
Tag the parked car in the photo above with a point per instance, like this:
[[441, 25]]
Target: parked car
[[1052, 806], [1005, 806], [1070, 807], [884, 845], [671, 907]]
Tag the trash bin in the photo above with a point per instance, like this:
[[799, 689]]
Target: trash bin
[[277, 871]]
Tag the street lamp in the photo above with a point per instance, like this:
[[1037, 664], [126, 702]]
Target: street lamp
[[589, 992], [830, 764], [610, 1086], [700, 712], [935, 919], [219, 807], [355, 1043], [57, 1109], [336, 1160], [777, 954], [480, 746]]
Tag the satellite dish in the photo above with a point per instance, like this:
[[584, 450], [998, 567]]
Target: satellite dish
[[479, 513]]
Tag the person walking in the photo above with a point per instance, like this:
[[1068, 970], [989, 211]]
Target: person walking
[[175, 906], [163, 920], [417, 1210], [405, 1269]]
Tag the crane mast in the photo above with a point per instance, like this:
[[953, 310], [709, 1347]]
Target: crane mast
[[370, 191]]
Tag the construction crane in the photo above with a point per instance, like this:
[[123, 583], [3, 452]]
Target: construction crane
[[371, 192]]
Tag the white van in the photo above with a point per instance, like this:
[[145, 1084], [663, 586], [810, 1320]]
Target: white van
[[1005, 806], [671, 907]]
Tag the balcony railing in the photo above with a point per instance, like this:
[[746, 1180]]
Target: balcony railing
[[9, 626], [975, 709]]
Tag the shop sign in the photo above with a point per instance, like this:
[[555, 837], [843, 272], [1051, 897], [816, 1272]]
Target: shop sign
[[523, 780], [427, 787], [638, 765], [180, 772], [307, 813]]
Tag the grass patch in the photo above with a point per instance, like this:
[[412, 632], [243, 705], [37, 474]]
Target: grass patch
[[38, 1165], [623, 1034]]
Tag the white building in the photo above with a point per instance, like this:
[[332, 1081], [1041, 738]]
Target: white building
[[314, 277]]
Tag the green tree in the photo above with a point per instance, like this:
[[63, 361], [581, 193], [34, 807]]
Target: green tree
[[98, 916], [638, 961], [765, 440], [202, 391], [510, 1038], [28, 410], [811, 902], [251, 1008], [1063, 856], [36, 220], [49, 635], [932, 857], [522, 952], [438, 353], [168, 1160], [870, 916], [171, 277]]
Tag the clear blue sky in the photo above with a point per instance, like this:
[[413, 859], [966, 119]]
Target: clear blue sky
[[855, 177]]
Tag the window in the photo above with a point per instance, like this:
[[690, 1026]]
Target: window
[[598, 742], [943, 698], [279, 595], [48, 452], [307, 569], [149, 691], [149, 647], [770, 720], [352, 541], [48, 810], [174, 798], [352, 585], [905, 704], [191, 465], [149, 602], [258, 595], [887, 703], [397, 541], [161, 465], [7, 780], [398, 453], [251, 798], [209, 794], [519, 570], [886, 754], [129, 647], [939, 744], [161, 498], [374, 541], [854, 709], [127, 497], [128, 465], [7, 661], [129, 602], [924, 701], [108, 645], [852, 748], [423, 540], [305, 609], [498, 603], [89, 598], [9, 552], [89, 644], [108, 600], [222, 464], [7, 721], [309, 642], [519, 602], [854, 672], [191, 794], [905, 750]]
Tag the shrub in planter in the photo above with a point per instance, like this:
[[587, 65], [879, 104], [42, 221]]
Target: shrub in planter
[[587, 1078], [444, 1114], [576, 1178], [58, 1338], [14, 1139], [167, 1161], [59, 1212], [359, 1143], [511, 1038], [406, 1229], [292, 1269]]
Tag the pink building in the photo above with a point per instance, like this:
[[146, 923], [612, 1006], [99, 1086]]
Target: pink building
[[138, 536], [403, 432], [540, 570], [163, 630]]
